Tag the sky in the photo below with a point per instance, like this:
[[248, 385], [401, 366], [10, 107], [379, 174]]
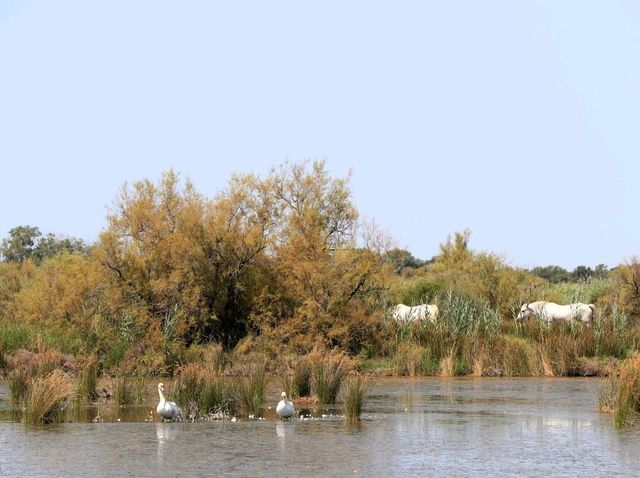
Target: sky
[[519, 121]]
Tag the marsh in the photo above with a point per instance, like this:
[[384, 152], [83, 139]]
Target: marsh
[[410, 427]]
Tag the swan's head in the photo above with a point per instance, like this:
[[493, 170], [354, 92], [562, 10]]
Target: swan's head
[[284, 395], [161, 387]]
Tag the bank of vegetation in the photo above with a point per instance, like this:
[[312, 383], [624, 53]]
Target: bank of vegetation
[[275, 268]]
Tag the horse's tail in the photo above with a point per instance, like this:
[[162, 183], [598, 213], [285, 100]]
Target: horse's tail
[[593, 311]]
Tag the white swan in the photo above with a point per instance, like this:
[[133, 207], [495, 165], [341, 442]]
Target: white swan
[[168, 410], [285, 408]]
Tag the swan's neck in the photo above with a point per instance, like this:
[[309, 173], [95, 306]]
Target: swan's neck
[[162, 399]]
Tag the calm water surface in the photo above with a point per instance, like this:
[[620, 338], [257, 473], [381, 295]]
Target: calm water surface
[[424, 427]]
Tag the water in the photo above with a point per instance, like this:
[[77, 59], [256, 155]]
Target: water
[[422, 427]]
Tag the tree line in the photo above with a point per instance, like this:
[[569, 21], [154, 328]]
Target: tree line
[[275, 263]]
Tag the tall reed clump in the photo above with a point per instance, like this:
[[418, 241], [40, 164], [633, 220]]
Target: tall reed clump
[[218, 395], [296, 376], [140, 387], [250, 388], [88, 380], [353, 396], [202, 391], [122, 392], [189, 384], [329, 371], [627, 401], [302, 377], [46, 397]]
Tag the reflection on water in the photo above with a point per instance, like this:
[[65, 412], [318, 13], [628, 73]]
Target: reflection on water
[[425, 427], [285, 431], [166, 434]]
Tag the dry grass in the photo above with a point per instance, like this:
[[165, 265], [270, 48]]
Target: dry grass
[[518, 357], [545, 362], [479, 362], [38, 363], [448, 364], [214, 358], [46, 397], [413, 360]]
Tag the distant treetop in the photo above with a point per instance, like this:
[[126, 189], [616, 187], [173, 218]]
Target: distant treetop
[[27, 242], [557, 274]]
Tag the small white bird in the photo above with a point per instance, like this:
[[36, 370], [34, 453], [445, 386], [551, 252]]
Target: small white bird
[[167, 410], [285, 408]]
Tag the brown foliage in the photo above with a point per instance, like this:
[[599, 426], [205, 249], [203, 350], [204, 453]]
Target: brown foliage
[[627, 279], [39, 363]]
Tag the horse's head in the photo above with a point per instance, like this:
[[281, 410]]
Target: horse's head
[[525, 312]]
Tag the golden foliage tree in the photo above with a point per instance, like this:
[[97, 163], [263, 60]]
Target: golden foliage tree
[[323, 280], [184, 259]]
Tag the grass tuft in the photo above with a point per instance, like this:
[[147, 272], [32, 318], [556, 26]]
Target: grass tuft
[[329, 371], [353, 395], [250, 388], [88, 380], [302, 377], [46, 397]]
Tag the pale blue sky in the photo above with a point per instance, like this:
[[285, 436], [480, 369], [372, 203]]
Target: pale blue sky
[[516, 119]]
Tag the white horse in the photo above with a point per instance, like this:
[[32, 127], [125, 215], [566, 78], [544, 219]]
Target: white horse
[[552, 312], [404, 313]]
